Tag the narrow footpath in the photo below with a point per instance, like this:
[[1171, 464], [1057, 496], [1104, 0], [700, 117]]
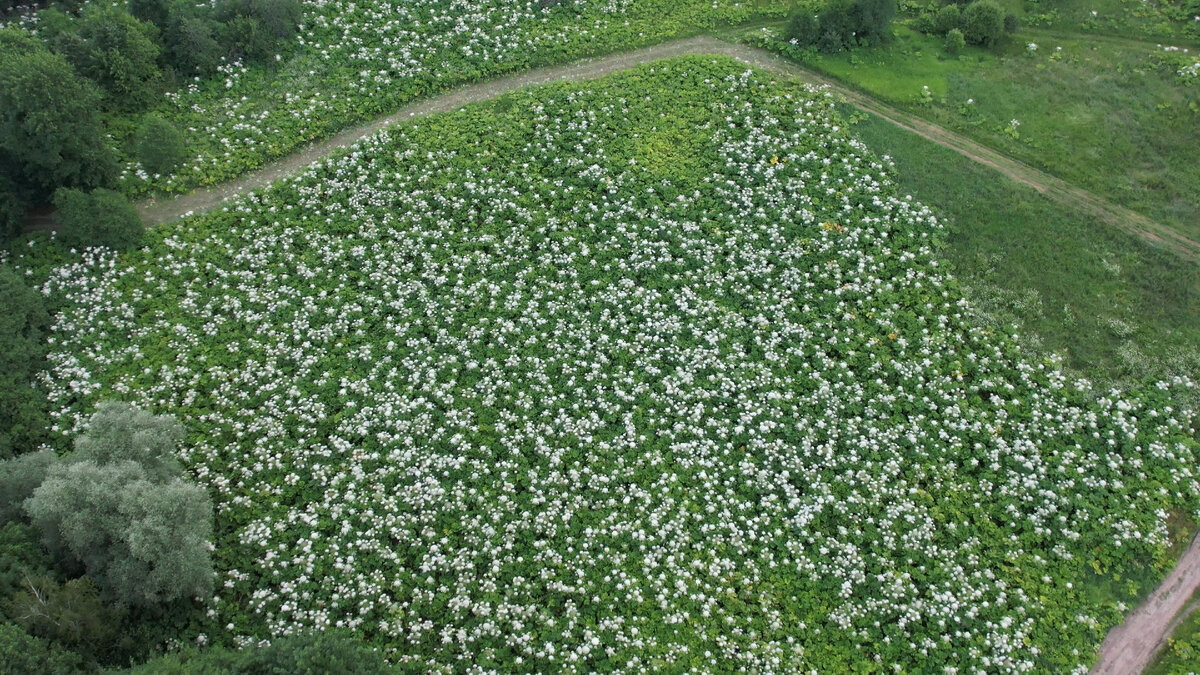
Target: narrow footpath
[[168, 209], [1129, 647]]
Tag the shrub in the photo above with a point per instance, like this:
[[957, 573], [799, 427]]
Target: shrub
[[160, 145], [1011, 23], [99, 218], [947, 19], [324, 652], [983, 23], [955, 42], [804, 28]]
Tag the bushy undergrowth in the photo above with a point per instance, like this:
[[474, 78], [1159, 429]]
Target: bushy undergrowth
[[657, 370]]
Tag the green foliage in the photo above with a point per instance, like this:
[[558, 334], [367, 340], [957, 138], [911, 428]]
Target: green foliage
[[947, 19], [156, 12], [955, 42], [23, 324], [119, 506], [12, 210], [119, 432], [70, 614], [50, 132], [1057, 284], [983, 23], [21, 556], [23, 653], [191, 41], [333, 651], [160, 146], [1181, 654], [256, 29], [804, 27], [113, 49], [843, 24], [20, 477], [97, 218]]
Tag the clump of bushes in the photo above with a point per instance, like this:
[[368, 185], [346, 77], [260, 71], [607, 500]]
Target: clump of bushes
[[97, 218], [982, 22], [843, 24]]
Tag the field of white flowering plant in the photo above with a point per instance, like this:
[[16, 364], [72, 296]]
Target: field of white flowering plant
[[357, 60], [653, 372]]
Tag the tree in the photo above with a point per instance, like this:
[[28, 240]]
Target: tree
[[113, 49], [12, 210], [983, 23], [874, 19], [20, 478], [256, 28], [843, 23], [120, 506], [160, 145], [24, 322], [947, 19], [50, 132], [21, 652], [97, 218], [190, 41], [156, 12], [70, 614], [120, 432]]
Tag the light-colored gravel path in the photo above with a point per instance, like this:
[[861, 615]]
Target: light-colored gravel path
[[168, 209]]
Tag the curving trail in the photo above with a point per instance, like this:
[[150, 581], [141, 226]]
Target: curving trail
[[1129, 647], [168, 209]]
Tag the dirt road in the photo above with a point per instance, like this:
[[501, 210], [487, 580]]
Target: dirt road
[[165, 210], [1130, 647]]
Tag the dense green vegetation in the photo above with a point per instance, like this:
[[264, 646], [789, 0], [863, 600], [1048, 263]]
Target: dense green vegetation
[[681, 312], [1115, 308], [104, 550], [1116, 118]]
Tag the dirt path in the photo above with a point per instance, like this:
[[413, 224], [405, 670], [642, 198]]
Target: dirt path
[[1130, 647], [164, 210]]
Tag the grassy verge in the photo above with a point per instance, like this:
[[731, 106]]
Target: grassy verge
[[1182, 651], [1111, 116], [1114, 307]]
